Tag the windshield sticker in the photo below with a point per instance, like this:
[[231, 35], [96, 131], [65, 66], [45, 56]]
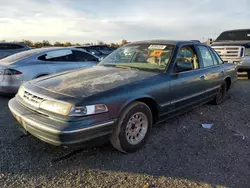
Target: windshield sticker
[[160, 47], [156, 53]]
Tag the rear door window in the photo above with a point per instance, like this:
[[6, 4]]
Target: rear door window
[[59, 56], [206, 56]]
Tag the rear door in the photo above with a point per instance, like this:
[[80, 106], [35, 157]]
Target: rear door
[[187, 87], [212, 70], [60, 60], [84, 59]]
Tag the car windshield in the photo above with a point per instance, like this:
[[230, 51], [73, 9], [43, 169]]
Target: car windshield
[[146, 57], [234, 35], [19, 56]]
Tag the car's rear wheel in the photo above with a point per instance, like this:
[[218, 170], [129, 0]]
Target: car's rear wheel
[[221, 94], [248, 74], [133, 127]]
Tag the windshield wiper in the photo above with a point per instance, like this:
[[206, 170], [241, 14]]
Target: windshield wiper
[[126, 67]]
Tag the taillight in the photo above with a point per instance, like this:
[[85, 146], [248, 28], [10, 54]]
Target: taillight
[[10, 72]]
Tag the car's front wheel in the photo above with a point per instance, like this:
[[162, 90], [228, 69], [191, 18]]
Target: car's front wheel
[[133, 127]]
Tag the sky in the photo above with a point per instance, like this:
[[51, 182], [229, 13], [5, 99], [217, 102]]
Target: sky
[[83, 21]]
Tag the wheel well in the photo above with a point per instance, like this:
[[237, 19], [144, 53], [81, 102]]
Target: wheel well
[[153, 107], [228, 81], [41, 75]]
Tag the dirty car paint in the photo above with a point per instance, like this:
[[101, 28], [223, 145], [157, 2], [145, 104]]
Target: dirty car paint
[[91, 81]]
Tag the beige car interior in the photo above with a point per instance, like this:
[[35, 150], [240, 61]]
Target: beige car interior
[[187, 58]]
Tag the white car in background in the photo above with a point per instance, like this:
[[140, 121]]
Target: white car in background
[[31, 64]]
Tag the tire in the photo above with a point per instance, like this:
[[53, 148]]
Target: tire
[[248, 74], [221, 94], [130, 134]]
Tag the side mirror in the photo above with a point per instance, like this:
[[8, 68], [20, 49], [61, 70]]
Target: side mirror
[[184, 66]]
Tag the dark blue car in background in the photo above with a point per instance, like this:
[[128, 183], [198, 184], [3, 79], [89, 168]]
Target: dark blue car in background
[[9, 48], [136, 86]]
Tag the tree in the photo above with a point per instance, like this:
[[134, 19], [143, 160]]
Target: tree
[[67, 44], [58, 44], [100, 43], [28, 43], [124, 42], [46, 43], [38, 44]]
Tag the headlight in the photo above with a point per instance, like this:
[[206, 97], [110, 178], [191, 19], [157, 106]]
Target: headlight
[[56, 107], [21, 92], [88, 110]]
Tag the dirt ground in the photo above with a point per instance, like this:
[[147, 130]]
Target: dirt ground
[[179, 153]]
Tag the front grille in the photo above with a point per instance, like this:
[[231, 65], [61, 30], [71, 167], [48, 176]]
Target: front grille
[[32, 99], [229, 52]]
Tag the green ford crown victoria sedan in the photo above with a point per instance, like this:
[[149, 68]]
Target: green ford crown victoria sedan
[[122, 97]]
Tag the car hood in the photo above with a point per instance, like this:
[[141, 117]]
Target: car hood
[[232, 43], [90, 81]]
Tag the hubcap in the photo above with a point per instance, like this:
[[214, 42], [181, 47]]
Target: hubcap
[[136, 128]]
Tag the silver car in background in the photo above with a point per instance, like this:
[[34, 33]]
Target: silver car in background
[[9, 48], [31, 64]]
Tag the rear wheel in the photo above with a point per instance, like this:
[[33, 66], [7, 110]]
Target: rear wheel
[[133, 127], [248, 74], [221, 94]]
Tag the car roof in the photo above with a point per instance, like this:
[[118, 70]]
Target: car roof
[[237, 30], [47, 49], [171, 42]]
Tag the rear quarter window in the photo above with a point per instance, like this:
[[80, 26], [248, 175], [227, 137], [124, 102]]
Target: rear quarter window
[[58, 55]]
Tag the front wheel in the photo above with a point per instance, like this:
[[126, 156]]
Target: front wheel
[[221, 94], [133, 127]]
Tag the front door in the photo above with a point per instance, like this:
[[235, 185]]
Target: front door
[[187, 87]]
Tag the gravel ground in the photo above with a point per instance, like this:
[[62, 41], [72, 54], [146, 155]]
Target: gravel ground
[[178, 154]]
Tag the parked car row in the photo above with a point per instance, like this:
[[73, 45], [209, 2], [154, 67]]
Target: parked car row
[[120, 98], [27, 65], [9, 48]]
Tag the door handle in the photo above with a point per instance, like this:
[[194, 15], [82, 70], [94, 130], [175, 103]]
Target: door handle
[[202, 77]]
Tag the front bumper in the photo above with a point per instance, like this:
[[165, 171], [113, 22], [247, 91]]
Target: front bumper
[[58, 132]]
